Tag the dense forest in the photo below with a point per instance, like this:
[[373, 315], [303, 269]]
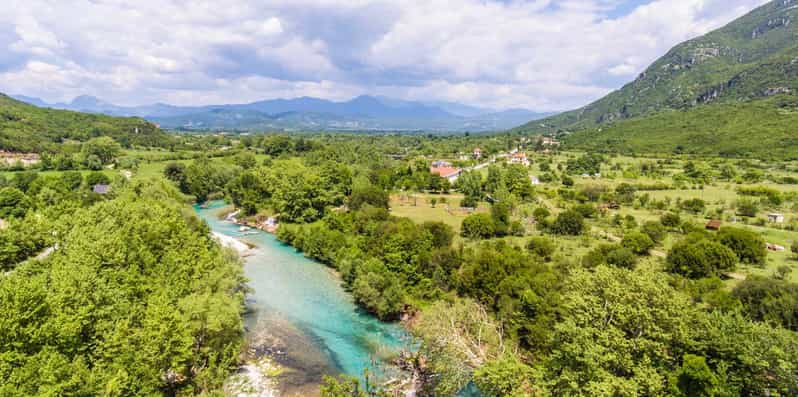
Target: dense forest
[[119, 294]]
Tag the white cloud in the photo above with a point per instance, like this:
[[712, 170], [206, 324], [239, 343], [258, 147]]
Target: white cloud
[[540, 54]]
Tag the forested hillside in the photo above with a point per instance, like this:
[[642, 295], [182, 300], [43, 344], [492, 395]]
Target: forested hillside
[[27, 128], [751, 58], [766, 128]]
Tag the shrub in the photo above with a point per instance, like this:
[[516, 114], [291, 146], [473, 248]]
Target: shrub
[[671, 220], [541, 247], [610, 254], [478, 226], [517, 229], [541, 213], [694, 205], [747, 207], [586, 210]]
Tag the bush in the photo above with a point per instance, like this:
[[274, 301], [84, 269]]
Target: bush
[[637, 242], [747, 207], [569, 223], [586, 210], [610, 254], [478, 226], [655, 231], [694, 205], [541, 213], [671, 220], [701, 258], [517, 229], [97, 178], [541, 247], [748, 246]]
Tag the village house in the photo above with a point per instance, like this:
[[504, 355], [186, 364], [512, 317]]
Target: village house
[[446, 171], [101, 189], [549, 141], [776, 218], [25, 159], [714, 224], [519, 158], [535, 180], [441, 164], [477, 153]]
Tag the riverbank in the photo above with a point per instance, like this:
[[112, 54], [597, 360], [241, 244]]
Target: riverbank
[[300, 317]]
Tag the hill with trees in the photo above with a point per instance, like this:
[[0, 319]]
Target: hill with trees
[[749, 60], [27, 128]]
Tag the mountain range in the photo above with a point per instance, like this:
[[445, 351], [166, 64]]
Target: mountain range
[[306, 113], [737, 68]]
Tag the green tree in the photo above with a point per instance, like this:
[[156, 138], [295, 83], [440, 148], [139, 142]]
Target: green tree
[[748, 246], [478, 226], [699, 257], [569, 223], [694, 378], [106, 149], [442, 234], [637, 242], [507, 377], [541, 247], [13, 203]]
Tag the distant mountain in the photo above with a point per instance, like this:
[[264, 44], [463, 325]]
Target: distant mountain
[[306, 113], [28, 128], [753, 57]]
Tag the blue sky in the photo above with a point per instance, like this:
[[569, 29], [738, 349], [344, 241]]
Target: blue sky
[[544, 55]]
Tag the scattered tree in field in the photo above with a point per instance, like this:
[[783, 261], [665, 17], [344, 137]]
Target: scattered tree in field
[[570, 223], [694, 205]]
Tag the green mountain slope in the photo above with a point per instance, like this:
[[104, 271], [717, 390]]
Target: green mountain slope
[[27, 128], [763, 128], [753, 57]]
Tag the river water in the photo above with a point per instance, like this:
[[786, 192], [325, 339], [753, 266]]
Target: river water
[[302, 319]]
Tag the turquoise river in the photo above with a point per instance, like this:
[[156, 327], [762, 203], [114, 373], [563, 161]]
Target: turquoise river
[[299, 315]]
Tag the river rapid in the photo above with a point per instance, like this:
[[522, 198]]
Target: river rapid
[[301, 324]]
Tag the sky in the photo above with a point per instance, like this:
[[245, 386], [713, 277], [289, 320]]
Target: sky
[[543, 55]]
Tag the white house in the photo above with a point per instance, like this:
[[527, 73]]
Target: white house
[[776, 218]]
